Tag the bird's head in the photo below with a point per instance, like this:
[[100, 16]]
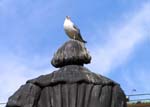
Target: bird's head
[[68, 17]]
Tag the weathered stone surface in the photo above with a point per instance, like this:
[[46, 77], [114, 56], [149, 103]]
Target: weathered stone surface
[[119, 97], [72, 52], [80, 95], [70, 74], [26, 96]]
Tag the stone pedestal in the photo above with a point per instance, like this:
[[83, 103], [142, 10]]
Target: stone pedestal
[[72, 85]]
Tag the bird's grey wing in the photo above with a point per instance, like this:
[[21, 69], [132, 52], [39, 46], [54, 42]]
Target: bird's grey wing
[[74, 26], [79, 34]]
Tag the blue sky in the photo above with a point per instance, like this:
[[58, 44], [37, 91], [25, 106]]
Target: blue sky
[[117, 32]]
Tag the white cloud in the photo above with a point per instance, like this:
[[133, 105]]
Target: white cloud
[[121, 41], [15, 73]]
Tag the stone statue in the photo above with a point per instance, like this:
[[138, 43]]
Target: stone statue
[[72, 85]]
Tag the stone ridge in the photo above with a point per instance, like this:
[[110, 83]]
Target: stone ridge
[[73, 52], [71, 74]]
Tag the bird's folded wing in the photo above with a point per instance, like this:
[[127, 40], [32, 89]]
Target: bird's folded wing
[[74, 26]]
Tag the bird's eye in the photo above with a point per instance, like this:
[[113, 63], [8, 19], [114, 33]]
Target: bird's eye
[[68, 17]]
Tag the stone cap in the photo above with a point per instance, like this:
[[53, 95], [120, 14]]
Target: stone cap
[[73, 52]]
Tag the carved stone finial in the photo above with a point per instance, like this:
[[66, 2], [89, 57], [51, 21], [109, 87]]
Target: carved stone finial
[[73, 52]]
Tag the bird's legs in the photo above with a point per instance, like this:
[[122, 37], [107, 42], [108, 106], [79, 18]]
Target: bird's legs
[[74, 37]]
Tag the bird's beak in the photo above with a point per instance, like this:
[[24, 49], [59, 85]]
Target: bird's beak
[[68, 17]]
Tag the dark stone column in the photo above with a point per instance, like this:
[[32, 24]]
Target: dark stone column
[[72, 85]]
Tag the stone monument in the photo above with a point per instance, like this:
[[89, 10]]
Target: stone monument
[[72, 85]]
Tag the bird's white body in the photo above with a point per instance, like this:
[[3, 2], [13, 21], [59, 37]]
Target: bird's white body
[[68, 25], [71, 30]]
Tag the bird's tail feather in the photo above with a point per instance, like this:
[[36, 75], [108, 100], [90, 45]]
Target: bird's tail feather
[[84, 41]]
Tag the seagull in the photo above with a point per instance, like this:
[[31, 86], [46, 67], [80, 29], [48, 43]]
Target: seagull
[[72, 31]]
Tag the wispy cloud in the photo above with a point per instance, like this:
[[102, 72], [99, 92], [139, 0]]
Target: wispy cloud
[[14, 73], [121, 41]]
